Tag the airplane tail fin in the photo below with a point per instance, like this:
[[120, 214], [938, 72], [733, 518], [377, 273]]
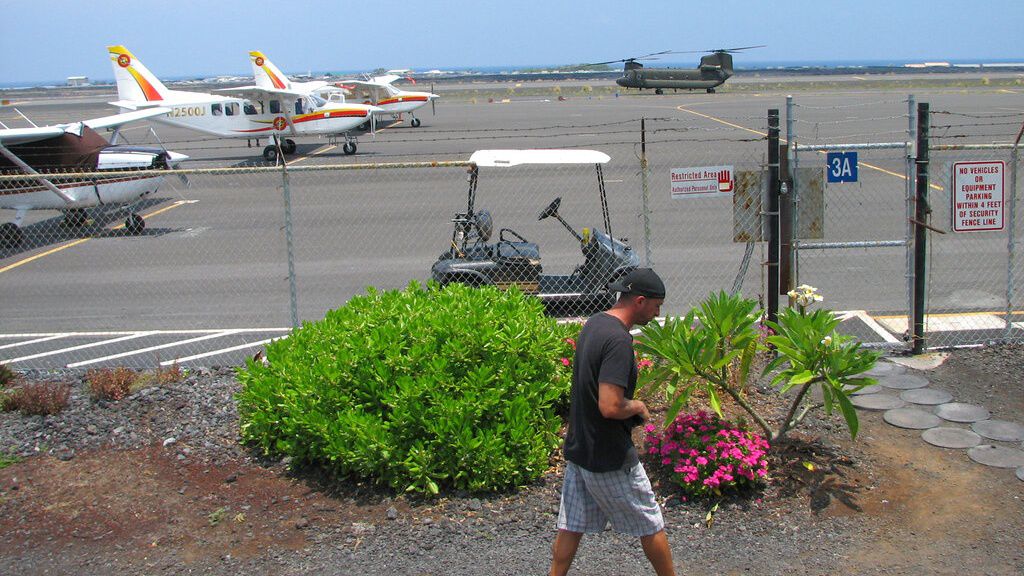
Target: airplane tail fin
[[266, 74], [134, 81]]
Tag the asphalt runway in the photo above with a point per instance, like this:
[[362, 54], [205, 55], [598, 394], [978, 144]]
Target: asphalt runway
[[213, 258]]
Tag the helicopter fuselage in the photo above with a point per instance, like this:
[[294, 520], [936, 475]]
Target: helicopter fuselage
[[675, 78]]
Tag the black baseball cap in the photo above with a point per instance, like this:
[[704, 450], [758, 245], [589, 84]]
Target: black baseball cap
[[642, 281]]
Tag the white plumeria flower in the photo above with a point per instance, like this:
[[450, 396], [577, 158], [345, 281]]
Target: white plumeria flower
[[827, 340]]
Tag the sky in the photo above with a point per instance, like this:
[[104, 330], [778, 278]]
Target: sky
[[49, 40]]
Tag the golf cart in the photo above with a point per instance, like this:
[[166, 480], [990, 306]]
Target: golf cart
[[515, 261]]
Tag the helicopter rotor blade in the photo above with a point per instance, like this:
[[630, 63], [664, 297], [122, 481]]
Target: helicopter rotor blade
[[650, 56]]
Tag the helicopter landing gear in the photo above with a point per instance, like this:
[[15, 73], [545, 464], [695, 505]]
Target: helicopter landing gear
[[134, 224], [415, 122], [659, 91], [711, 90], [11, 236]]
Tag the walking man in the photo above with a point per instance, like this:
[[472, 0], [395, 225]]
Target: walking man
[[604, 480]]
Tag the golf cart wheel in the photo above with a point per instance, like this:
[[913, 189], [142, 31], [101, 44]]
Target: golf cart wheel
[[349, 148]]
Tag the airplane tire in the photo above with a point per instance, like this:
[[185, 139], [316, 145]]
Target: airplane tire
[[75, 218], [270, 154], [349, 148], [11, 236], [134, 224], [415, 122], [289, 146]]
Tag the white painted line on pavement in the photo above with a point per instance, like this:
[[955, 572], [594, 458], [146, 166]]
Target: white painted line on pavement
[[36, 341], [876, 327], [81, 347], [221, 351], [152, 348]]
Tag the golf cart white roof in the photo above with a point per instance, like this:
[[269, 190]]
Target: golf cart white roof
[[546, 156]]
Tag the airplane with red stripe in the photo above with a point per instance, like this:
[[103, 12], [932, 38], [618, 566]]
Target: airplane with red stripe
[[381, 92], [274, 112]]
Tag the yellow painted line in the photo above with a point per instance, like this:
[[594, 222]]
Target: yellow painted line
[[865, 164], [321, 150], [74, 243]]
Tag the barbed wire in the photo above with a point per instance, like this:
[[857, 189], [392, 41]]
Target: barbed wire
[[965, 115], [851, 120], [844, 106]]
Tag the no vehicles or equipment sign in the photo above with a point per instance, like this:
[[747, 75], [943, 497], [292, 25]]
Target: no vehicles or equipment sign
[[702, 181], [978, 196]]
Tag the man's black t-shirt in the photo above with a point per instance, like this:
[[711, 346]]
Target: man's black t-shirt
[[604, 354]]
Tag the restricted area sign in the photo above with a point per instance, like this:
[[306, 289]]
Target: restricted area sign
[[977, 196], [702, 181]]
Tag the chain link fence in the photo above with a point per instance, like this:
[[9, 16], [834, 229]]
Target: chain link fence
[[230, 252]]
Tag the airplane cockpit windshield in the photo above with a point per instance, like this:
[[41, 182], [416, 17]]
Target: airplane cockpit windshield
[[316, 101]]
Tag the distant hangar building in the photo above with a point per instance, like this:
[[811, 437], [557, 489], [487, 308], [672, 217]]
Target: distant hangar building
[[78, 80]]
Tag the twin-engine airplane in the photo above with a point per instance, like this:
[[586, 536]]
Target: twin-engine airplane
[[274, 112], [41, 153], [379, 91]]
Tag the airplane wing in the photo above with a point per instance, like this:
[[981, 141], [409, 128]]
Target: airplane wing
[[385, 79], [258, 92], [119, 119], [13, 136], [374, 90], [10, 137]]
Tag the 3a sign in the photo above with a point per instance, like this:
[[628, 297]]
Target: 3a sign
[[842, 166], [978, 196]]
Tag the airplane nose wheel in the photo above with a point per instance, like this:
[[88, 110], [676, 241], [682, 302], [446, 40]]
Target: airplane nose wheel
[[134, 224], [11, 236], [349, 148], [415, 122]]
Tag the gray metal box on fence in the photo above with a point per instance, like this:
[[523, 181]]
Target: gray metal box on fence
[[751, 196]]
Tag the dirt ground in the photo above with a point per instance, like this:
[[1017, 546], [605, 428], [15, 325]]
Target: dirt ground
[[900, 505]]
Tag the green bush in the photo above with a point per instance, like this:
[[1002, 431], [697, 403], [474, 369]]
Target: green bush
[[417, 389]]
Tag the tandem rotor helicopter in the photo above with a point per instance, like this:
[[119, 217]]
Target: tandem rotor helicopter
[[714, 69]]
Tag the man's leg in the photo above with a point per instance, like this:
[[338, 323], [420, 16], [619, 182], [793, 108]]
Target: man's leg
[[657, 551], [564, 550]]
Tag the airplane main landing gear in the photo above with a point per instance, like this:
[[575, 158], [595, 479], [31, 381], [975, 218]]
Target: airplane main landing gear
[[75, 217], [11, 236], [349, 148], [288, 146], [415, 122], [134, 224]]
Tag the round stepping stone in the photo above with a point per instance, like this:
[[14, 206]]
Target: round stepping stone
[[997, 456], [877, 402], [946, 437], [926, 396], [903, 381], [1020, 473], [912, 418], [885, 369], [999, 430], [960, 412], [873, 389]]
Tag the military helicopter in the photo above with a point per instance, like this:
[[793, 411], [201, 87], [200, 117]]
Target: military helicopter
[[715, 68]]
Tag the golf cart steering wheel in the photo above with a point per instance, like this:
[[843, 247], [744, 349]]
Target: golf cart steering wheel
[[551, 210]]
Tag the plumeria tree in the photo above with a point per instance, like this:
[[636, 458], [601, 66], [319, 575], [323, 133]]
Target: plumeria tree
[[712, 349]]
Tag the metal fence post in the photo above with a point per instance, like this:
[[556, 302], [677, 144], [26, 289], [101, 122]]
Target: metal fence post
[[645, 195], [1011, 238], [288, 240], [921, 211], [794, 192], [773, 214], [909, 174]]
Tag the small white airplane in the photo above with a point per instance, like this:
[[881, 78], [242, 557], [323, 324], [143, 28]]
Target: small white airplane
[[249, 112], [76, 147], [380, 91]]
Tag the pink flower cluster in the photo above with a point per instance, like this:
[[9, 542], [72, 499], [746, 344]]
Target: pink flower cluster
[[708, 455]]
